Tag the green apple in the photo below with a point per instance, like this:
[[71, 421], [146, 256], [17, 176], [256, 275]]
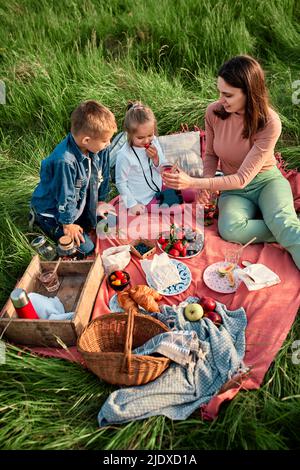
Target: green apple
[[193, 312]]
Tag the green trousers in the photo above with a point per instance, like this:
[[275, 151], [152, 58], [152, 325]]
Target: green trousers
[[263, 209]]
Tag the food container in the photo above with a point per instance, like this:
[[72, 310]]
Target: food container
[[141, 241], [116, 276]]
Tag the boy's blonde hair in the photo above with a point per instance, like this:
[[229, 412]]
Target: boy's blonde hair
[[92, 118], [137, 114]]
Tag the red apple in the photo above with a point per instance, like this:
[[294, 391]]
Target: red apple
[[207, 303], [214, 317]]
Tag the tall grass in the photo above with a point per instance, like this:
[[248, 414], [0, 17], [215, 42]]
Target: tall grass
[[55, 54]]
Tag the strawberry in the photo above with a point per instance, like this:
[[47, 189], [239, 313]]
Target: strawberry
[[147, 146], [119, 274], [123, 281], [161, 240], [164, 246], [178, 246], [183, 251], [174, 252]]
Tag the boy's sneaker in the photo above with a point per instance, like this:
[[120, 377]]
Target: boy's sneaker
[[31, 219]]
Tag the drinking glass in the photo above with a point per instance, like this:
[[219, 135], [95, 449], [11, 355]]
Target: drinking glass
[[233, 253], [49, 280], [167, 166]]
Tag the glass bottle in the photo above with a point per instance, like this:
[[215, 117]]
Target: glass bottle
[[44, 248]]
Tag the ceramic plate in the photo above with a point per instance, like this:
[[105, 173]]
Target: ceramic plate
[[217, 283], [186, 279], [185, 257], [115, 307]]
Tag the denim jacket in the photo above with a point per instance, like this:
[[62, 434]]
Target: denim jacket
[[64, 182]]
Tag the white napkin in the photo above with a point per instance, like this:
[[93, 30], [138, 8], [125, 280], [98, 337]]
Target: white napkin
[[257, 276], [162, 271]]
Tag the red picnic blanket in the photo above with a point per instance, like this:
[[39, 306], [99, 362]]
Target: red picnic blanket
[[270, 311]]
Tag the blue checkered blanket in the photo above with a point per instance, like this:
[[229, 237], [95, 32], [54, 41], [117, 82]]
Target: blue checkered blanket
[[206, 358]]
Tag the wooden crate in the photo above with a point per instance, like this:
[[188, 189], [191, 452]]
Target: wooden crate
[[151, 245], [80, 282]]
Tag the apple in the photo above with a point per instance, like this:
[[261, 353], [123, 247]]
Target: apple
[[214, 317], [193, 312], [207, 303]]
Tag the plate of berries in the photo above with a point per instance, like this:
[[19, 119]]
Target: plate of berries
[[181, 242]]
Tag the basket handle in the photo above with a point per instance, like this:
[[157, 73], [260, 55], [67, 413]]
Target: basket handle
[[128, 340]]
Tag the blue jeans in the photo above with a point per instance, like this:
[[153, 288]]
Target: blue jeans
[[54, 230]]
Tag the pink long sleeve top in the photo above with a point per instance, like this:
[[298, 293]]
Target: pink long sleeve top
[[240, 159]]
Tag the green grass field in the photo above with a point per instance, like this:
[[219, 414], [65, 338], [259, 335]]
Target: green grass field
[[54, 54]]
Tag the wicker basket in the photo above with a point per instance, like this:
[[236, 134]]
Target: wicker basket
[[107, 342]]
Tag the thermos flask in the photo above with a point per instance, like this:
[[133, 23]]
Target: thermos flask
[[22, 304]]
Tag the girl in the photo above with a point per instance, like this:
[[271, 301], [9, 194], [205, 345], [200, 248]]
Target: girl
[[241, 132], [137, 175]]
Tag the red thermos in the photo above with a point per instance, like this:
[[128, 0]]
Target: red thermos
[[22, 304]]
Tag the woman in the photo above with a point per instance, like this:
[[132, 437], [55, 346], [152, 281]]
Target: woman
[[241, 133]]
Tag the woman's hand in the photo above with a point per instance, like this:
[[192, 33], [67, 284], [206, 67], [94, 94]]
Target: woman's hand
[[177, 179], [153, 154], [75, 232], [138, 209]]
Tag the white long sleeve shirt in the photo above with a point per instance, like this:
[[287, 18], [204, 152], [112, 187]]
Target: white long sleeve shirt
[[130, 179]]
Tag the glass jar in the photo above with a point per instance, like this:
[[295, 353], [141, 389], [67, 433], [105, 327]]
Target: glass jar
[[44, 248], [67, 248]]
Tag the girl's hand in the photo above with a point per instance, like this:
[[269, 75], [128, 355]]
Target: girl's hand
[[177, 179], [105, 208], [152, 153], [138, 209], [203, 196]]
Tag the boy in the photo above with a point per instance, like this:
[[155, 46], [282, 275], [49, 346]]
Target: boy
[[74, 179]]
